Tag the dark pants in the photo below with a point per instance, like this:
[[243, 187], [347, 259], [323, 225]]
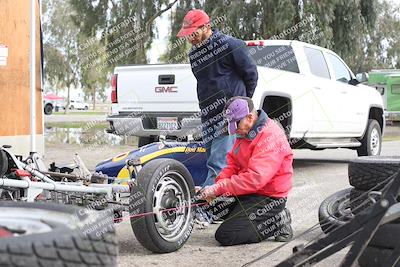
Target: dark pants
[[250, 219]]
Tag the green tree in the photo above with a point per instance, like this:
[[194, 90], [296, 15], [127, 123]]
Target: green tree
[[60, 46]]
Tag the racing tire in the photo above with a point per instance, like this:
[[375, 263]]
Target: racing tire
[[371, 143], [374, 256], [162, 184], [46, 234], [335, 211], [366, 173]]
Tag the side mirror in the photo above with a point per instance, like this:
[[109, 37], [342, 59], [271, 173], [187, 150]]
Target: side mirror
[[362, 77]]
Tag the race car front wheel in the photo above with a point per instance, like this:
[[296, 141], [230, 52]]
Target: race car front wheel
[[161, 205], [44, 234]]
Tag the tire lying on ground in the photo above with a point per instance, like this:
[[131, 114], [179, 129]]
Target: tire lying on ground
[[367, 172], [335, 211], [162, 184], [360, 200], [43, 234]]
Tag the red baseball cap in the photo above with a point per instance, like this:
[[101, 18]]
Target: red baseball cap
[[193, 20]]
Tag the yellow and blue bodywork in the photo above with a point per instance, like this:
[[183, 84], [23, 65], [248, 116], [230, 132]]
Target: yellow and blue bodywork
[[192, 155]]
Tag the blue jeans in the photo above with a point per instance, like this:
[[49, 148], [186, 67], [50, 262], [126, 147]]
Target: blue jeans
[[217, 146]]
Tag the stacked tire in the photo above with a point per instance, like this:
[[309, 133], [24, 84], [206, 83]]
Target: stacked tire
[[373, 173], [52, 235]]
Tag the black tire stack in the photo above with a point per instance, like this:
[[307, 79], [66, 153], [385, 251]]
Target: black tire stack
[[366, 173]]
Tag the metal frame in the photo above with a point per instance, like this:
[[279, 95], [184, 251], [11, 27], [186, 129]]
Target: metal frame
[[34, 188]]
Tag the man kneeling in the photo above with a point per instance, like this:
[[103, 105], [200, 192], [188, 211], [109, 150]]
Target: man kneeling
[[258, 175]]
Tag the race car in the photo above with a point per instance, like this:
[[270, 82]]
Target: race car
[[192, 155]]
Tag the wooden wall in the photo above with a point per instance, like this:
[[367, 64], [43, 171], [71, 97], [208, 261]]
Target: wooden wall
[[14, 78]]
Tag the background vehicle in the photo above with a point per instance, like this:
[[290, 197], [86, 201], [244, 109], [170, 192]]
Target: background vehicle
[[48, 107], [308, 89], [51, 102], [76, 104], [387, 82]]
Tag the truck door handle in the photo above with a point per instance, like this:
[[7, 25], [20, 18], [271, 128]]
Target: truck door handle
[[344, 92], [318, 88], [166, 79]]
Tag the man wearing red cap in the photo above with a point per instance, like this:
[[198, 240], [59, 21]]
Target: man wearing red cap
[[223, 69]]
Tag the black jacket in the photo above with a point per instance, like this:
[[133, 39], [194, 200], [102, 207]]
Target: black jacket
[[223, 69]]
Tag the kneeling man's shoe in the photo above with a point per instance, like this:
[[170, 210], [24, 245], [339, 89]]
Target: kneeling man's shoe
[[285, 234]]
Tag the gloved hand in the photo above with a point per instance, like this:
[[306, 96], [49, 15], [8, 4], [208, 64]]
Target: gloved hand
[[207, 193]]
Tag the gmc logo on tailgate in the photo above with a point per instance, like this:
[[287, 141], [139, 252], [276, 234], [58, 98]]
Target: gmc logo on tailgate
[[166, 89]]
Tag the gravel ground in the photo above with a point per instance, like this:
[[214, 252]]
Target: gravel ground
[[317, 174]]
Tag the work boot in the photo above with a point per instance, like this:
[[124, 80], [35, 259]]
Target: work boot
[[285, 234]]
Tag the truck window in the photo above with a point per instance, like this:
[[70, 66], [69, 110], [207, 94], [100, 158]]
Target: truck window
[[317, 62], [279, 57], [342, 74], [396, 89]]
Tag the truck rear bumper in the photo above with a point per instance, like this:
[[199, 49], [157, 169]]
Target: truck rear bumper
[[146, 125]]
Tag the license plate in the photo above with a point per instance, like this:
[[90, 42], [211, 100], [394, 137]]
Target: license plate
[[167, 123]]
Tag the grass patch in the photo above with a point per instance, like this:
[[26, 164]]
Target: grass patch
[[81, 113], [76, 125]]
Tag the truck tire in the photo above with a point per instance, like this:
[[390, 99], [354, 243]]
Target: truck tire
[[367, 172], [371, 143], [162, 184], [335, 211], [44, 234], [374, 256], [48, 109]]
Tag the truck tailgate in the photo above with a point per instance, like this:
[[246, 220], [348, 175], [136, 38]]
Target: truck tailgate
[[156, 88]]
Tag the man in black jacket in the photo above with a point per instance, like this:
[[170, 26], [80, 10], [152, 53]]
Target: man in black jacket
[[223, 69]]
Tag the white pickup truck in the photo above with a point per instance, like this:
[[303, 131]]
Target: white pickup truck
[[309, 89]]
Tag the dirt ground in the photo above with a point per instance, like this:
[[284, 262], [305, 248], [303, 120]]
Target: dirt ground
[[317, 174]]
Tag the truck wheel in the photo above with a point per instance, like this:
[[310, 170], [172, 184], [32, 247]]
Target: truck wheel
[[371, 143], [335, 211], [44, 234], [48, 109], [367, 172], [162, 184]]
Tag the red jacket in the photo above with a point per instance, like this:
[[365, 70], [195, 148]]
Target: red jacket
[[260, 163]]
